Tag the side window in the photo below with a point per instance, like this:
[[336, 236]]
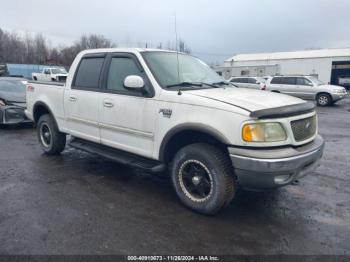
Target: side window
[[236, 80], [276, 80], [289, 81], [303, 81], [119, 69], [47, 71], [88, 73], [251, 80]]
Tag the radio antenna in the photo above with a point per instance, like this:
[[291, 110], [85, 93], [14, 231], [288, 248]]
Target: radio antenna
[[177, 54]]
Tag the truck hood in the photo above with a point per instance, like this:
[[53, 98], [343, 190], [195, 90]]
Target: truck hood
[[248, 99]]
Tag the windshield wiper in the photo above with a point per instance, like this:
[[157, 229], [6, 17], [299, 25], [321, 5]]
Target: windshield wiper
[[185, 84]]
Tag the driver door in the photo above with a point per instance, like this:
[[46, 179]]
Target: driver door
[[128, 117]]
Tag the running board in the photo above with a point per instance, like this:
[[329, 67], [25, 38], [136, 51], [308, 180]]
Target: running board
[[119, 156]]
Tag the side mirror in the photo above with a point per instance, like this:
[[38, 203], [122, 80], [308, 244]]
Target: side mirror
[[134, 82]]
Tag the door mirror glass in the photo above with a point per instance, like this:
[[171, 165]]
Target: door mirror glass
[[134, 82]]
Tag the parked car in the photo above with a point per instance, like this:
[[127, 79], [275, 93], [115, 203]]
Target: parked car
[[12, 101], [249, 82], [139, 107], [344, 81], [51, 74], [306, 87]]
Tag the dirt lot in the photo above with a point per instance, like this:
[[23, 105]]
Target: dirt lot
[[79, 204]]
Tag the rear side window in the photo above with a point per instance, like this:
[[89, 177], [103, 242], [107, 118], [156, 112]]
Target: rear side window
[[88, 73], [236, 80], [289, 81], [251, 81], [276, 80]]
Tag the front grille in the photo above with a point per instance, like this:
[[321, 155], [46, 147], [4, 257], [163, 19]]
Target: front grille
[[304, 128]]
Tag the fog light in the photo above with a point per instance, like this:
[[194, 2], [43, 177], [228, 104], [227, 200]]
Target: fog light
[[282, 179]]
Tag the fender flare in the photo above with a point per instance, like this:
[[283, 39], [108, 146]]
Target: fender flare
[[39, 103], [190, 127]]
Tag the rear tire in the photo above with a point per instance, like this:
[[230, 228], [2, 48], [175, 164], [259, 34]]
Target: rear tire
[[52, 141], [324, 99], [203, 178]]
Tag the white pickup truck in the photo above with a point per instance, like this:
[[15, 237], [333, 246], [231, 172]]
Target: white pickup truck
[[167, 111], [58, 74]]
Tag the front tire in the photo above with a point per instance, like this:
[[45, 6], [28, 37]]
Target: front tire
[[203, 178], [324, 100], [52, 141]]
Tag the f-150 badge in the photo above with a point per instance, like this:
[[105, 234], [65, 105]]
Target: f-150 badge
[[166, 112]]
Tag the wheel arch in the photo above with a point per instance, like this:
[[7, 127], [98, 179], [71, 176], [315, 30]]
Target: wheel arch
[[185, 134], [39, 109]]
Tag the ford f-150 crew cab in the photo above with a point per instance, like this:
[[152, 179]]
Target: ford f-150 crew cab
[[167, 111], [58, 74]]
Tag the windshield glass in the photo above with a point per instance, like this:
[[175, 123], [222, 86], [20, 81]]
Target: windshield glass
[[58, 71], [169, 72], [12, 86], [316, 81]]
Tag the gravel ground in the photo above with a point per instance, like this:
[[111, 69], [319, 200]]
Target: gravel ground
[[77, 203]]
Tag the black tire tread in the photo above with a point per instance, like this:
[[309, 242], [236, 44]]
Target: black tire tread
[[225, 166], [329, 97], [59, 139]]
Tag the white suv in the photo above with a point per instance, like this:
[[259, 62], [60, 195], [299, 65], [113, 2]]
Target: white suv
[[306, 87], [258, 83]]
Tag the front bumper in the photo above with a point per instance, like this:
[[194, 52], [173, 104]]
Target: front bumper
[[338, 96], [12, 115], [275, 167]]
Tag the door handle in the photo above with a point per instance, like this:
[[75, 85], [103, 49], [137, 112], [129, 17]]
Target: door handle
[[73, 98], [108, 104]]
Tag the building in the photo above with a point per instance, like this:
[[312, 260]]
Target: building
[[329, 65]]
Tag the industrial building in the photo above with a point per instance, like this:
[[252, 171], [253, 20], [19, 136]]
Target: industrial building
[[329, 65]]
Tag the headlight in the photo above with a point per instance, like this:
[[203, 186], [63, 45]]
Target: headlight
[[339, 91], [263, 132]]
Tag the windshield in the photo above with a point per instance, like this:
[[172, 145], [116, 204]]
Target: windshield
[[58, 71], [316, 81], [12, 86], [170, 73]]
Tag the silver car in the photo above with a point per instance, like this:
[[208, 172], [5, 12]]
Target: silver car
[[258, 83], [306, 87]]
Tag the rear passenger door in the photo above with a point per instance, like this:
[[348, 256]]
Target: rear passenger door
[[83, 101], [290, 86], [128, 117]]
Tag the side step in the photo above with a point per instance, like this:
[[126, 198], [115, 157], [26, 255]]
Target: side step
[[119, 156]]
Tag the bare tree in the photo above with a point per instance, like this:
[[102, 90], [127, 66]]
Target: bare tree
[[36, 50], [41, 50]]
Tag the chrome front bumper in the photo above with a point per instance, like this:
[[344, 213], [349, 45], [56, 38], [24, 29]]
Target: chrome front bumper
[[275, 167]]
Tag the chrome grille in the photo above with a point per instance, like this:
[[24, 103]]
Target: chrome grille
[[304, 128]]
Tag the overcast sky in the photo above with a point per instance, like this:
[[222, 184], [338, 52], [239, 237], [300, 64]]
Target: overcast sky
[[214, 29]]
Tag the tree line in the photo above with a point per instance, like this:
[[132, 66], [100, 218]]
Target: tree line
[[28, 49]]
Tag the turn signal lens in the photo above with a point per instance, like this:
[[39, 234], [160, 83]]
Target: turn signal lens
[[263, 132]]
